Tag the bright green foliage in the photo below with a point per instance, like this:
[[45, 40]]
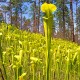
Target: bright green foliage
[[24, 56]]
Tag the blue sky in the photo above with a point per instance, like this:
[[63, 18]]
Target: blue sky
[[28, 5]]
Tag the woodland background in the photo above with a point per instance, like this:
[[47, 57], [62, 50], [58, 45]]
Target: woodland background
[[26, 15]]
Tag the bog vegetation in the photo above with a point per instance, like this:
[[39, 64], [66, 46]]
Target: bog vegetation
[[22, 56]]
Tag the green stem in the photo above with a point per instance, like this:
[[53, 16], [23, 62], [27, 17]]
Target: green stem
[[1, 56], [48, 26], [16, 73], [48, 22], [33, 73], [39, 76]]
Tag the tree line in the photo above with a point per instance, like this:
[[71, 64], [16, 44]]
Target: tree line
[[66, 22]]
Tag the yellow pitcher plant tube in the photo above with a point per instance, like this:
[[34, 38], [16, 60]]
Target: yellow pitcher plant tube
[[48, 24]]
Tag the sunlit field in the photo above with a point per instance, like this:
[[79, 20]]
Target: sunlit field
[[22, 56]]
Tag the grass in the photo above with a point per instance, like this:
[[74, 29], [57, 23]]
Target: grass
[[23, 55]]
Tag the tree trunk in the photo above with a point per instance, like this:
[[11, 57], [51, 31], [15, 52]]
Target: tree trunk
[[34, 24], [63, 19], [21, 16], [76, 23], [5, 17], [71, 22], [16, 17], [60, 33], [11, 11], [38, 16]]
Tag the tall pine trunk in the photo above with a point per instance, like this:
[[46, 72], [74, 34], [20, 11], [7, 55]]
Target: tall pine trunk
[[34, 23], [11, 11], [76, 23], [38, 15], [21, 15], [71, 21], [63, 17]]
